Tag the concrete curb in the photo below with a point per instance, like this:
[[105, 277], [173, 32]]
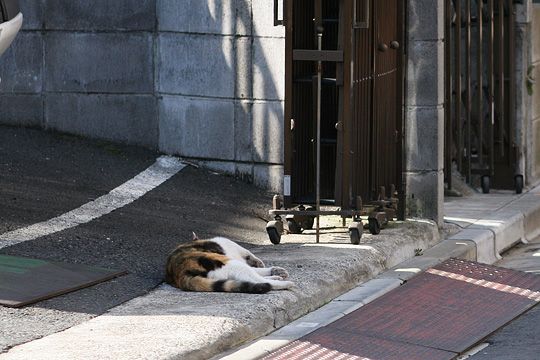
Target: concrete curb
[[516, 221]]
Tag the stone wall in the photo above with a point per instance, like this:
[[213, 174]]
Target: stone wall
[[424, 110], [85, 68], [199, 79], [534, 91]]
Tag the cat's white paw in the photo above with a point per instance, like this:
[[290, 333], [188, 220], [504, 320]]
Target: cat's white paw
[[279, 271], [254, 261], [273, 277], [288, 284]]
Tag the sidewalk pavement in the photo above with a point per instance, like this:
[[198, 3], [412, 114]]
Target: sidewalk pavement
[[167, 323]]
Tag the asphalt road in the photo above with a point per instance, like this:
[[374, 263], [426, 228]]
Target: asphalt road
[[520, 339], [44, 175]]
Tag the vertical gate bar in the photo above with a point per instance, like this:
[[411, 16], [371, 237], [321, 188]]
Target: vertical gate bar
[[480, 69], [373, 124], [468, 89], [348, 178], [318, 15], [491, 90], [288, 158], [318, 170], [457, 80], [500, 98], [403, 60], [448, 93], [512, 84]]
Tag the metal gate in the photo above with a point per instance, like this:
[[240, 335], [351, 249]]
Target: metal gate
[[361, 100], [480, 136]]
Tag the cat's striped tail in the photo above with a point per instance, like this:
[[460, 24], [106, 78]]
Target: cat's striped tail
[[200, 283]]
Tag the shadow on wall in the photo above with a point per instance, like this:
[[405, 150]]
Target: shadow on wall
[[268, 93], [226, 100]]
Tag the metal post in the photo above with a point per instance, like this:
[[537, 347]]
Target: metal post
[[500, 70], [457, 79], [491, 86], [468, 89], [512, 141], [479, 70], [448, 93], [318, 170]]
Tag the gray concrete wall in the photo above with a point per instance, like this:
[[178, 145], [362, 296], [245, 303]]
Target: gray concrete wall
[[85, 68], [221, 86], [199, 79], [528, 89], [534, 92], [424, 111]]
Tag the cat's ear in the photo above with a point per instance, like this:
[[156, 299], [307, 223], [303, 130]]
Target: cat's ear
[[195, 237]]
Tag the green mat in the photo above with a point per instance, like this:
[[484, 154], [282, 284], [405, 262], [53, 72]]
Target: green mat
[[25, 281]]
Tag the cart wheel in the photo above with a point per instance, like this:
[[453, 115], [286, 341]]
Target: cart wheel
[[355, 231], [274, 230], [374, 226], [518, 181], [274, 235], [484, 180], [355, 236], [294, 228], [307, 224]]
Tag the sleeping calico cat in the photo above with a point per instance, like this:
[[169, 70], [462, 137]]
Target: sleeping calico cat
[[220, 264]]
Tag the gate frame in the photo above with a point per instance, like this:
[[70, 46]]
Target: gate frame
[[348, 200]]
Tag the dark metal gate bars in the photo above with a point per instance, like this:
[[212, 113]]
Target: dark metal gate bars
[[480, 88], [360, 104]]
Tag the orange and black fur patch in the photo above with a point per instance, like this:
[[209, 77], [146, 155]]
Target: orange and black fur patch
[[189, 264]]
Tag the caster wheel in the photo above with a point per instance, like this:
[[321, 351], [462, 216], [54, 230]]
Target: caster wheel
[[484, 182], [274, 230], [374, 226], [294, 228], [355, 232], [518, 181], [308, 223], [355, 236]]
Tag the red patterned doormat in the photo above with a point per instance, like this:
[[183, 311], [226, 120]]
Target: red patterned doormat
[[436, 315]]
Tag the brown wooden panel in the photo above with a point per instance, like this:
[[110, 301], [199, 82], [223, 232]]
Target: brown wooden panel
[[377, 116], [481, 91], [361, 97]]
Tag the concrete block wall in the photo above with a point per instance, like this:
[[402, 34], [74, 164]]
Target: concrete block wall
[[424, 111], [220, 86], [201, 79], [534, 91], [85, 68]]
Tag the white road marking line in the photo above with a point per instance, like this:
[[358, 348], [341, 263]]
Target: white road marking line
[[162, 170]]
